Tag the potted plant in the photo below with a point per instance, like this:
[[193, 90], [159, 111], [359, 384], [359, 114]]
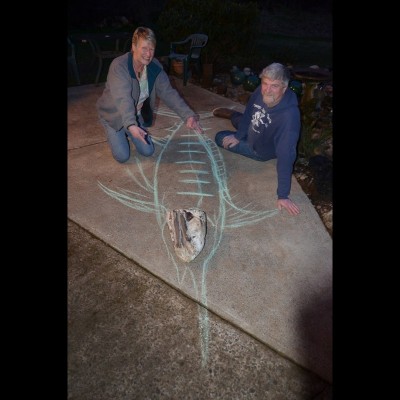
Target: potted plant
[[177, 66]]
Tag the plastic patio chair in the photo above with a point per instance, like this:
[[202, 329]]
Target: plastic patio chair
[[193, 45], [72, 60], [102, 54]]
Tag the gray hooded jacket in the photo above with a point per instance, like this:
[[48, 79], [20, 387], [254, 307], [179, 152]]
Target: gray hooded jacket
[[117, 104]]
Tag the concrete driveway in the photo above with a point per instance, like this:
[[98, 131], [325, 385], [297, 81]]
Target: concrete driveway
[[264, 272]]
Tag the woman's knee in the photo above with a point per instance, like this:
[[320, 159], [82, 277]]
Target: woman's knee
[[146, 151], [119, 145], [121, 156]]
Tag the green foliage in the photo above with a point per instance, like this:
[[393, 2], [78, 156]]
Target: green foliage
[[231, 26], [316, 130]]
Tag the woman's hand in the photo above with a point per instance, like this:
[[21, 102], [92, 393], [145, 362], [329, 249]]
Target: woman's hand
[[138, 133], [193, 123]]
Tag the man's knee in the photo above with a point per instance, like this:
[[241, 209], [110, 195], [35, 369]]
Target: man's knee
[[235, 119], [219, 137]]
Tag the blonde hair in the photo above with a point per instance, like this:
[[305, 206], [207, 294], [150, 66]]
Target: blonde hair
[[144, 33]]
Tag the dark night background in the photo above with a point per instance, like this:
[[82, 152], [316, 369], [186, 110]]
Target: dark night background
[[86, 14], [89, 13]]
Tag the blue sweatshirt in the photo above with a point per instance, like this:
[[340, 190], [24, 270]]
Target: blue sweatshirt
[[273, 133]]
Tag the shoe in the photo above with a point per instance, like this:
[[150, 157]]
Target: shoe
[[223, 112]]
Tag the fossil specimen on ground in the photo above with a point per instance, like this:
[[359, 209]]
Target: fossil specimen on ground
[[188, 231]]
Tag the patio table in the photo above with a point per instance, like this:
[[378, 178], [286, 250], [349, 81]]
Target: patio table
[[311, 78], [105, 45]]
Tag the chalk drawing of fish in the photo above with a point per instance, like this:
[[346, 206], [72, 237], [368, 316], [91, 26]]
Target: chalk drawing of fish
[[195, 175]]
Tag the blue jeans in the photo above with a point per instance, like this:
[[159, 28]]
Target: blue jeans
[[242, 147], [119, 143]]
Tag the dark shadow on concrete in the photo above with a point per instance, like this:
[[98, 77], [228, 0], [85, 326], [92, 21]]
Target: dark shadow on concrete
[[315, 330]]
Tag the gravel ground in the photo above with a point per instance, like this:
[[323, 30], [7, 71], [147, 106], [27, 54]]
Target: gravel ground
[[318, 190]]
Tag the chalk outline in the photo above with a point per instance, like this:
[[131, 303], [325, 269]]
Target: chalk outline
[[228, 215]]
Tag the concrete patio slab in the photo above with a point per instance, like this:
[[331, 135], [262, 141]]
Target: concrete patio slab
[[264, 271]]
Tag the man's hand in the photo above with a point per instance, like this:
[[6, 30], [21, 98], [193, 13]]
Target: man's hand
[[193, 123], [229, 141], [138, 133], [290, 207]]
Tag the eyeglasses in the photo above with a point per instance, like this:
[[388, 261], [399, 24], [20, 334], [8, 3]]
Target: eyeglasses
[[273, 86]]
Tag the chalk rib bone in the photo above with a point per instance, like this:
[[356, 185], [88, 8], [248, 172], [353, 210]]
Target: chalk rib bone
[[188, 231]]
